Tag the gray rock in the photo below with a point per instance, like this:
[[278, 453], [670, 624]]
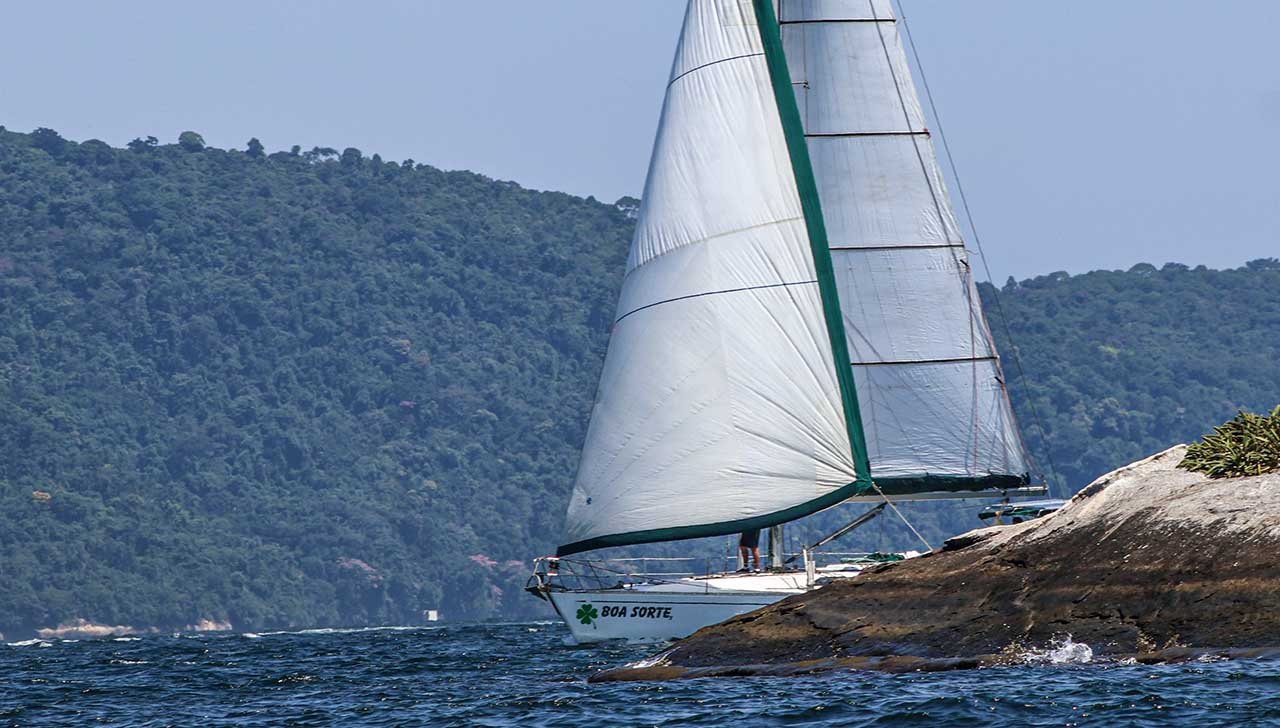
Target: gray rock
[[1147, 561]]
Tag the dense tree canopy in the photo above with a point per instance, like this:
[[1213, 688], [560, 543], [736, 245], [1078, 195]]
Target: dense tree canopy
[[1120, 364], [318, 388]]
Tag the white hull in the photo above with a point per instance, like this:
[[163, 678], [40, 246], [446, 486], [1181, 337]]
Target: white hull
[[605, 600], [670, 610]]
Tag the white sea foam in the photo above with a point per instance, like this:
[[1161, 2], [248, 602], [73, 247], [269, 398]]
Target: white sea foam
[[1064, 651], [337, 630], [31, 643], [656, 660]]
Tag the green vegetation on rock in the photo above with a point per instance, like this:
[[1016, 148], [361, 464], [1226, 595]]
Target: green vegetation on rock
[[1248, 444], [319, 388]]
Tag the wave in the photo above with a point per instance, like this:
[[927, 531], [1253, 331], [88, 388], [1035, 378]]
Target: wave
[[31, 643], [334, 630]]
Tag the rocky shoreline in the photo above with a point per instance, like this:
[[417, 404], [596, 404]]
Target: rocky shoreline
[[1148, 563]]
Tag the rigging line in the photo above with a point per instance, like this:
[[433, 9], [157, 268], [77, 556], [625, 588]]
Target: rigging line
[[977, 241], [923, 540]]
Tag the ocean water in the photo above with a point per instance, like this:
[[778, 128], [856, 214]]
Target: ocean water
[[525, 675]]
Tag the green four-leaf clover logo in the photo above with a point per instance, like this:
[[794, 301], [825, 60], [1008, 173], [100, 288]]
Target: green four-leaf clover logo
[[587, 614]]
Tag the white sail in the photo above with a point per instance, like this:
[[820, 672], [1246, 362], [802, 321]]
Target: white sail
[[719, 400], [934, 409]]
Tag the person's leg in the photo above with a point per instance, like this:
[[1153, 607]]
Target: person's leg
[[755, 551], [744, 558]]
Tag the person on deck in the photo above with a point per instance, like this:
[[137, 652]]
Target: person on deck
[[749, 545]]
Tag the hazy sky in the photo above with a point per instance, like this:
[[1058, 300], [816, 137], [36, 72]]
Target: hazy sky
[[1089, 134]]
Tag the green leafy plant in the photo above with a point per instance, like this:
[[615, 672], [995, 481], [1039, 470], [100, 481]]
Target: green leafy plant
[[1248, 444]]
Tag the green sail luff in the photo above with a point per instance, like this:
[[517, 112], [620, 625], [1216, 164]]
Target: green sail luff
[[793, 129]]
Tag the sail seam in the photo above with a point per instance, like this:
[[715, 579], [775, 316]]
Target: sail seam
[[814, 21], [840, 134], [712, 63], [896, 362], [713, 293], [899, 246]]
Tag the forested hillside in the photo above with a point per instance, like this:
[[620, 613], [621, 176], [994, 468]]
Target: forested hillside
[[1120, 364], [318, 388], [304, 388]]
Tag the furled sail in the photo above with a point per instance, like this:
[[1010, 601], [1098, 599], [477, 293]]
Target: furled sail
[[933, 405], [719, 406]]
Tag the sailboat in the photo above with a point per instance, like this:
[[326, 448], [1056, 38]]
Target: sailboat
[[799, 326]]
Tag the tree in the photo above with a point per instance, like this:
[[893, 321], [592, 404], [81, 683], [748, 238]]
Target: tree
[[319, 154], [255, 148], [139, 144], [191, 141], [48, 140]]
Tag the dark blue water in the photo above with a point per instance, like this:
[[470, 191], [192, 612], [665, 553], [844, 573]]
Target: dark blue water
[[523, 674]]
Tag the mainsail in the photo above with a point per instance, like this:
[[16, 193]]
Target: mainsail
[[934, 407], [728, 397]]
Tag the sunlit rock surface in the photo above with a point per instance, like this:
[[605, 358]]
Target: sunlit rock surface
[[1149, 562]]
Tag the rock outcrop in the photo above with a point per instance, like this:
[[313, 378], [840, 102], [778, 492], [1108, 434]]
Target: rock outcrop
[[1148, 561]]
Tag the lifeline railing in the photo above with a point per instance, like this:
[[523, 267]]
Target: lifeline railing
[[551, 573]]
